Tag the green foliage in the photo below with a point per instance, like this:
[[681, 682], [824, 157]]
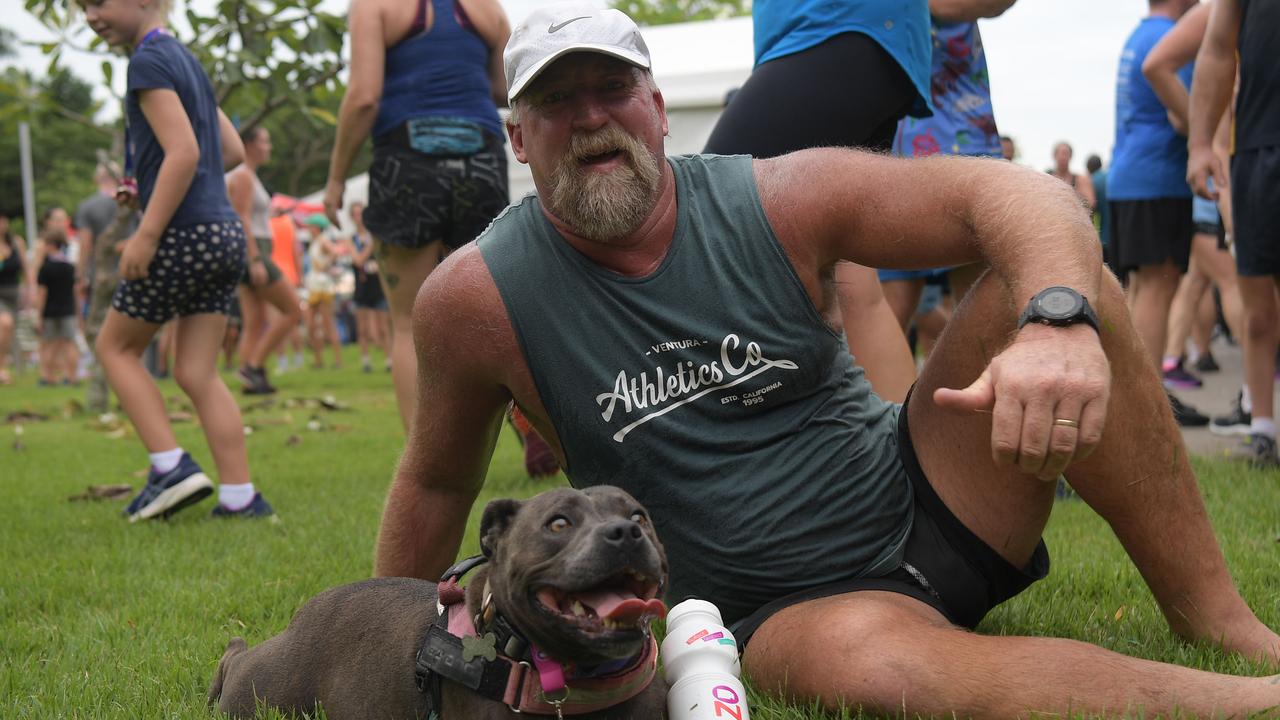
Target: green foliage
[[272, 62], [663, 12], [8, 42], [63, 139], [275, 51]]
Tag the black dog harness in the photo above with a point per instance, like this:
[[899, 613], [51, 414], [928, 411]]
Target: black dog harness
[[489, 656]]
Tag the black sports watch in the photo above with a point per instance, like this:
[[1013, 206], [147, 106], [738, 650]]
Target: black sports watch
[[1059, 306]]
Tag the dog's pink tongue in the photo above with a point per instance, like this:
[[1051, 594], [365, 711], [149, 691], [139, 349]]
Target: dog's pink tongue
[[622, 606]]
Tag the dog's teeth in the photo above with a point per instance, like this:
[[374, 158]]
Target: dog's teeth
[[577, 608], [610, 623]]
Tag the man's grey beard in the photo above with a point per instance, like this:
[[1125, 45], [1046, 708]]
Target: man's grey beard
[[604, 206]]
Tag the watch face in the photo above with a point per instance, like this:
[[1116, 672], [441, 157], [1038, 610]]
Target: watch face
[[1059, 303]]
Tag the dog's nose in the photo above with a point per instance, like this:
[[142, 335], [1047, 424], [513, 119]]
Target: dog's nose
[[622, 533]]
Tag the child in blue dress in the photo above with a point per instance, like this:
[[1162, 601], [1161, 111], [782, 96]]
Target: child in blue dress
[[183, 261]]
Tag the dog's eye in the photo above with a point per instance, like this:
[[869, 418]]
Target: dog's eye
[[639, 518], [559, 523]]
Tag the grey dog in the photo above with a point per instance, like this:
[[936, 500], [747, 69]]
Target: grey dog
[[576, 574]]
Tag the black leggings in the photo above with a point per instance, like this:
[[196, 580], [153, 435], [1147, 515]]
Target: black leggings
[[846, 91]]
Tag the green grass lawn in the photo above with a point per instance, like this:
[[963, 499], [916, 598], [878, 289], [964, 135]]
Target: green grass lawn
[[103, 619]]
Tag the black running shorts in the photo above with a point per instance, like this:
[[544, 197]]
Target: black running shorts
[[945, 565], [416, 199], [1151, 232], [1255, 196], [844, 92]]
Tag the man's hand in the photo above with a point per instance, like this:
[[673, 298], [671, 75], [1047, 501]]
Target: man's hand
[[333, 193], [1203, 163], [1047, 393], [137, 255]]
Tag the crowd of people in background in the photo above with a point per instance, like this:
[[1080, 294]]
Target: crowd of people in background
[[313, 283]]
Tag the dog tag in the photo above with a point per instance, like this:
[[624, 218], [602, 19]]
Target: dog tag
[[485, 647]]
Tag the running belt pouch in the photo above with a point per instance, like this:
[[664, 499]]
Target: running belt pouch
[[445, 136]]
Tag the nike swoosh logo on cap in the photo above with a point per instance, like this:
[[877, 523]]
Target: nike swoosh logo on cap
[[557, 27]]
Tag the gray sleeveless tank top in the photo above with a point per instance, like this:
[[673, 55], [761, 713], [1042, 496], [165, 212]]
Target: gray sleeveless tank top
[[713, 391], [260, 213]]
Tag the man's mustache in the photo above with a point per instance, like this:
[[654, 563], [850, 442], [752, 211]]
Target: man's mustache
[[599, 142]]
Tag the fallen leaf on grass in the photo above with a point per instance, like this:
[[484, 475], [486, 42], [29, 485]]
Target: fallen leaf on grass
[[72, 408], [264, 404], [329, 402], [180, 416], [286, 420], [118, 491], [293, 440], [118, 433], [25, 416], [1119, 613]]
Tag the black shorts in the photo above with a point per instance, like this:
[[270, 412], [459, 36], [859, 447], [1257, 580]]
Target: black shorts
[[264, 252], [790, 104], [1255, 197], [368, 294], [1151, 232], [194, 271], [416, 199], [945, 565]]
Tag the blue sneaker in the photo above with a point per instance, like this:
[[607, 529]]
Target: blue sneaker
[[257, 508], [167, 493]]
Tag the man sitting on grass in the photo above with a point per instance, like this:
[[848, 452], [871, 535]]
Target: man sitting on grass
[[661, 321]]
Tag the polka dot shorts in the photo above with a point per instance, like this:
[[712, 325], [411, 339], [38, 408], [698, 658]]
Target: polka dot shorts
[[195, 270]]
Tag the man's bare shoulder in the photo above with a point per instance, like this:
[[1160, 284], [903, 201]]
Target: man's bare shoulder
[[459, 312]]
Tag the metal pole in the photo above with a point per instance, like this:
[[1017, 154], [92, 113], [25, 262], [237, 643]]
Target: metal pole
[[28, 184]]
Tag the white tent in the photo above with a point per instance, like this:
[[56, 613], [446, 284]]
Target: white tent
[[695, 65]]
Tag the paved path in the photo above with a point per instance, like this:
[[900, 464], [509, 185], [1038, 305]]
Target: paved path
[[1214, 399]]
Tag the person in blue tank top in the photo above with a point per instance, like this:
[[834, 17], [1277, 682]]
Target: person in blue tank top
[[663, 322], [426, 80], [1151, 224], [183, 260]]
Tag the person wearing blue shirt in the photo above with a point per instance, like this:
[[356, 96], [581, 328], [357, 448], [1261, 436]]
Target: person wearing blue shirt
[[183, 261], [1151, 225]]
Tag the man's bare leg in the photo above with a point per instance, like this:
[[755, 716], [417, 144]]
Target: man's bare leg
[[893, 654], [1156, 285], [888, 651], [1139, 479], [1259, 294]]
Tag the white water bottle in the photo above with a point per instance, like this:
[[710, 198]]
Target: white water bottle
[[700, 662]]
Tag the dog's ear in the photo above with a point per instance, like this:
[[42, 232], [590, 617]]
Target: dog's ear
[[497, 517]]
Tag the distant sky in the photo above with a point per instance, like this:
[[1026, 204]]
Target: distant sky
[[1052, 63]]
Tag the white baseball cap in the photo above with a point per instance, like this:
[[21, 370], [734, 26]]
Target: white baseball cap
[[556, 30]]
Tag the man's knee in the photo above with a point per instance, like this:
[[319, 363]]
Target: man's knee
[[869, 653]]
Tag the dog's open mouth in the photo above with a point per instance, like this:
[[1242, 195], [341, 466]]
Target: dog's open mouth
[[626, 601]]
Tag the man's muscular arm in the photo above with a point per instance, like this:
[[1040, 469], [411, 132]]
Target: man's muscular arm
[[931, 212], [1210, 94], [460, 402]]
